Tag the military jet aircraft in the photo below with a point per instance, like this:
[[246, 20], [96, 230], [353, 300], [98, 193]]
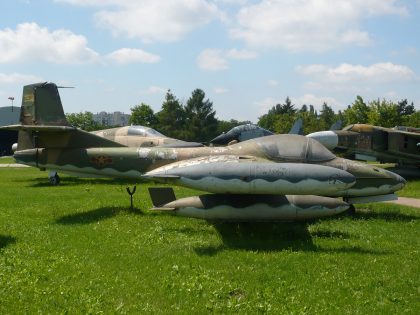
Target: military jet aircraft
[[251, 131], [131, 136], [399, 145], [278, 177], [140, 136]]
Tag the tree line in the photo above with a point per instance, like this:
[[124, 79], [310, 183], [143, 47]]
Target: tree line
[[379, 112], [196, 119]]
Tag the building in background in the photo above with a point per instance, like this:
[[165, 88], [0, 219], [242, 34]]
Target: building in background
[[112, 119], [9, 115]]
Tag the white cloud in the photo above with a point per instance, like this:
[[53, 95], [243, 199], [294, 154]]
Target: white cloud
[[217, 59], [220, 90], [309, 25], [149, 20], [212, 60], [241, 54], [232, 2], [128, 55], [18, 78], [265, 104], [356, 75], [100, 3], [154, 90], [272, 83], [31, 42], [310, 99]]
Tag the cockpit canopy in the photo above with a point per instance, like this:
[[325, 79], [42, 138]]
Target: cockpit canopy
[[143, 131], [294, 148]]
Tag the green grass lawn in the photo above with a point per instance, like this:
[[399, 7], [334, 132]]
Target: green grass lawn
[[7, 160], [77, 248]]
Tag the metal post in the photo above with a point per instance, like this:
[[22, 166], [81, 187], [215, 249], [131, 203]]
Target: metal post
[[131, 193]]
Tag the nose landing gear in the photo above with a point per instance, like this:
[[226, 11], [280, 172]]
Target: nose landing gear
[[54, 178]]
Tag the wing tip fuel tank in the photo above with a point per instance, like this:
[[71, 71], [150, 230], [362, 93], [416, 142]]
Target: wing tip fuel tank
[[226, 174], [254, 207]]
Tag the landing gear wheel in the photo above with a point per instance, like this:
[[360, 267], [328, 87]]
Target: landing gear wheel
[[351, 211], [54, 180]]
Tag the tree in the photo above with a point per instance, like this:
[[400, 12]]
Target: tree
[[143, 115], [171, 118], [404, 109], [383, 113], [414, 120], [268, 121], [83, 120], [357, 113], [279, 118], [281, 109], [327, 117], [310, 120], [201, 124]]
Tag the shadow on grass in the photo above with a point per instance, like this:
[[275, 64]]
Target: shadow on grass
[[6, 240], [267, 237], [94, 216]]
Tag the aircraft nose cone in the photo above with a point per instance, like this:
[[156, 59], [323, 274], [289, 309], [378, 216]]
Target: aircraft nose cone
[[399, 181], [221, 139], [328, 139]]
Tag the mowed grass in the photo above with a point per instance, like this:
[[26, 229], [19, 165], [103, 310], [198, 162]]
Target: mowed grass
[[7, 160], [77, 248]]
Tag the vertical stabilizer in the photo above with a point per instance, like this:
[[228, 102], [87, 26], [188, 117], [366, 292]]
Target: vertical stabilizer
[[41, 105]]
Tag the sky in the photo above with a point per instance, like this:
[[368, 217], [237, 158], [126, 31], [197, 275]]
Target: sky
[[245, 55]]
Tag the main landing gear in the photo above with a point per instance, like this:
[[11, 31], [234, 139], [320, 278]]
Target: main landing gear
[[54, 178], [351, 211]]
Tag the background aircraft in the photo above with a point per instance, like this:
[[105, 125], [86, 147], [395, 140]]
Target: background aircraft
[[278, 177], [251, 131], [140, 136], [399, 145]]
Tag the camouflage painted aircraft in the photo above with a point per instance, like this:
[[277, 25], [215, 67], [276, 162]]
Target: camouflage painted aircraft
[[399, 145], [278, 177], [251, 131], [140, 136]]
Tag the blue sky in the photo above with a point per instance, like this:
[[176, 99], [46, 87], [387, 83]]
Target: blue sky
[[246, 55]]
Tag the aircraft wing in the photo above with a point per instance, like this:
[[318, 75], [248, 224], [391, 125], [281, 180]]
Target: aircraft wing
[[251, 175], [42, 128], [63, 137]]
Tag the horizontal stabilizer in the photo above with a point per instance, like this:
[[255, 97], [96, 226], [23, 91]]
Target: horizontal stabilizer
[[161, 196], [43, 128], [61, 137]]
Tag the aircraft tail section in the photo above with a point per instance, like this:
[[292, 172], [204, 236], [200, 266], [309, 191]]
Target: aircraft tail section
[[44, 125], [297, 128], [41, 105]]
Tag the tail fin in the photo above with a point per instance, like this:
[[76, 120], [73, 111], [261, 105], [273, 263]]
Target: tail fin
[[44, 125], [297, 128], [161, 196], [41, 105], [337, 125]]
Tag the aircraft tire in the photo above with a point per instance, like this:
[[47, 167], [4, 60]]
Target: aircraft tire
[[351, 211], [54, 180]]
